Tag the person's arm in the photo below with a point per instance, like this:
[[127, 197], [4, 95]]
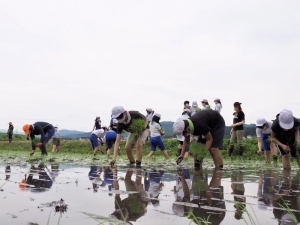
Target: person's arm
[[259, 144], [209, 141], [185, 145], [276, 141], [116, 149]]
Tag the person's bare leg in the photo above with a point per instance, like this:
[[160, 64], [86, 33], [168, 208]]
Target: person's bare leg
[[151, 153], [286, 162], [108, 151], [267, 156], [139, 150], [165, 153], [128, 149], [216, 156], [53, 148], [186, 155], [96, 150]]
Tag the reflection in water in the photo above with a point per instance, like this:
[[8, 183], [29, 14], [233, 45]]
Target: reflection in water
[[94, 176], [38, 179], [287, 205], [182, 196], [134, 206], [238, 190], [209, 197], [153, 185], [204, 202], [7, 172], [268, 188]]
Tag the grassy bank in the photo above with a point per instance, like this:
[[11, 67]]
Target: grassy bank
[[84, 147]]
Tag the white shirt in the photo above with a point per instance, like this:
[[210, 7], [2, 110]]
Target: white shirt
[[266, 130], [218, 107], [98, 132], [154, 129]]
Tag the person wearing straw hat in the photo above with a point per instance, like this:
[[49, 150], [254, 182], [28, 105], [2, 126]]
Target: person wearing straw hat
[[285, 133], [44, 129], [10, 131]]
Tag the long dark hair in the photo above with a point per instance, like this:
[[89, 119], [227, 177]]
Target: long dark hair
[[219, 101], [155, 119]]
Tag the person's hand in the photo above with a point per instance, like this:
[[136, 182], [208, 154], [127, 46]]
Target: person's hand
[[112, 162], [39, 144], [32, 152], [286, 148], [232, 125], [179, 159], [259, 152]]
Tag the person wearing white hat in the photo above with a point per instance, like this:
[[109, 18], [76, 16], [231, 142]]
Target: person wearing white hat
[[137, 135], [56, 140], [208, 123], [156, 132], [205, 104], [194, 108], [263, 133], [285, 133], [218, 105]]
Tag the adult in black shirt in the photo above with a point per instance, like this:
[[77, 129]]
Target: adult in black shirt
[[135, 138], [237, 129], [208, 123], [44, 129], [285, 133]]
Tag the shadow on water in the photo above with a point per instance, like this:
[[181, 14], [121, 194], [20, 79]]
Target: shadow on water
[[49, 193]]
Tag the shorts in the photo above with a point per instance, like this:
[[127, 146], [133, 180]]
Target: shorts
[[133, 138], [156, 142], [265, 141], [293, 151], [218, 135], [56, 141], [110, 139], [94, 141]]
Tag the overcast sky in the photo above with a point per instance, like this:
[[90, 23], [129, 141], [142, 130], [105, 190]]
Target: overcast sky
[[66, 62]]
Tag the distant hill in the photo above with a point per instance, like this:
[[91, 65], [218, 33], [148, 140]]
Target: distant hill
[[166, 125]]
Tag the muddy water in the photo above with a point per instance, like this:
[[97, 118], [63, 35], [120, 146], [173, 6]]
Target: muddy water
[[69, 194]]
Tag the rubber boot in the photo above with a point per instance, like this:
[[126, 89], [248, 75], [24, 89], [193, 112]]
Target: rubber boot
[[241, 150], [231, 147]]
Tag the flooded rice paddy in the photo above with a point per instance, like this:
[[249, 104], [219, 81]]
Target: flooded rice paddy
[[69, 193]]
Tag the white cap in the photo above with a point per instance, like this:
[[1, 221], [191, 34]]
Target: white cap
[[115, 121], [149, 109], [117, 111], [178, 127], [204, 100], [194, 104], [286, 119], [216, 99], [260, 122], [157, 114]]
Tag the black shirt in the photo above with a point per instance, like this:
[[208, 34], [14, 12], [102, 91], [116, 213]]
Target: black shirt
[[238, 117], [40, 128], [286, 137], [134, 115], [206, 120]]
